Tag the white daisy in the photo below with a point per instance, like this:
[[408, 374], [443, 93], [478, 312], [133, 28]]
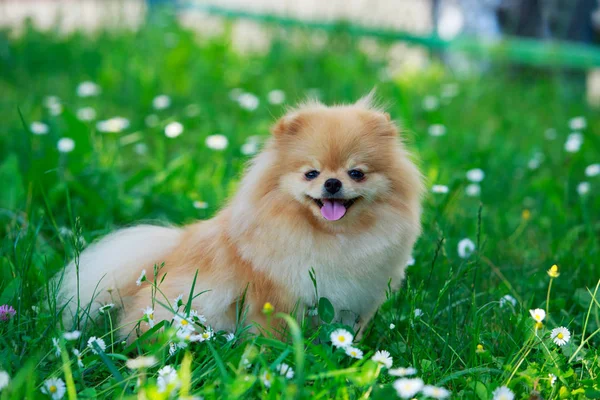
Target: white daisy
[[86, 114], [229, 336], [65, 145], [574, 142], [142, 278], [435, 392], [418, 312], [402, 371], [141, 362], [392, 326], [436, 130], [507, 298], [173, 129], [113, 125], [197, 317], [54, 387], [208, 334], [187, 335], [276, 96], [161, 102], [475, 175], [430, 103], [592, 170], [552, 378], [56, 345], [39, 128], [249, 148], [149, 316], [441, 189], [383, 357], [98, 342], [583, 188], [167, 379], [503, 393], [407, 388], [72, 335], [105, 308], [178, 301], [538, 314], [266, 378], [77, 354], [560, 335], [172, 349], [353, 352], [216, 142], [248, 101], [183, 323], [88, 89], [466, 247], [285, 370], [4, 379], [341, 338], [577, 123], [473, 190], [411, 261]]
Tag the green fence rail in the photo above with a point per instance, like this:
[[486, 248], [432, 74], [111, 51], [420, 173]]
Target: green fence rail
[[507, 49]]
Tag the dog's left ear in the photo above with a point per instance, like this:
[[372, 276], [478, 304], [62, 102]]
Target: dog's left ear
[[289, 124], [369, 102]]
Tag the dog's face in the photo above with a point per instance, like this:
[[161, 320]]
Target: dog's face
[[340, 163]]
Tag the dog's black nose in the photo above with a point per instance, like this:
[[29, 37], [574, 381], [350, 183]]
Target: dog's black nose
[[333, 185]]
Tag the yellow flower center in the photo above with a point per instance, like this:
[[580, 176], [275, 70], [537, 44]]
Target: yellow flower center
[[526, 214], [205, 335], [184, 322], [341, 338], [479, 347], [539, 325], [53, 389], [151, 316], [560, 335]]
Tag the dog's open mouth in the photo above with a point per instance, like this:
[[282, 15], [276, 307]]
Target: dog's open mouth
[[334, 209]]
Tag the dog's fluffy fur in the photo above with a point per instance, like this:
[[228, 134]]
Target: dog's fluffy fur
[[272, 232]]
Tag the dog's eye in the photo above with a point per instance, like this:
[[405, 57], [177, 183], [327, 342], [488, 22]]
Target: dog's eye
[[356, 174], [310, 175]]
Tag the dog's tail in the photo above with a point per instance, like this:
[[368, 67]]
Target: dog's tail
[[111, 264]]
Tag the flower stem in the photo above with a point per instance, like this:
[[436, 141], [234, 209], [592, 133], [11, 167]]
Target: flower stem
[[548, 297]]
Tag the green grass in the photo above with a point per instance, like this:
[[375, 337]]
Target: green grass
[[524, 220]]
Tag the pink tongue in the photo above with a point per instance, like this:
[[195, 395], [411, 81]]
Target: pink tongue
[[332, 210]]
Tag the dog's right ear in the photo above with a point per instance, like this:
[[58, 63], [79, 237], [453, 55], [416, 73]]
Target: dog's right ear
[[289, 124]]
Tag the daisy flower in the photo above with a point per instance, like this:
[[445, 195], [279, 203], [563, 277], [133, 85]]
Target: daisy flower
[[65, 145], [574, 142], [560, 336], [216, 142], [88, 89], [141, 362], [39, 128], [430, 103], [440, 189], [4, 379], [149, 316], [507, 298], [466, 247], [207, 334], [72, 335], [383, 357], [435, 392], [53, 104], [106, 308], [77, 355], [249, 148], [86, 114], [198, 317], [553, 271], [577, 123], [552, 378], [184, 323], [113, 125], [503, 393], [54, 387], [173, 129], [436, 130], [167, 379], [276, 96], [407, 388], [418, 312], [178, 301], [142, 278], [161, 102], [354, 352], [56, 345], [402, 371], [248, 101], [97, 341], [285, 370], [538, 314], [473, 190], [392, 326], [583, 188], [341, 338], [229, 336], [475, 175], [172, 349], [592, 170], [266, 378]]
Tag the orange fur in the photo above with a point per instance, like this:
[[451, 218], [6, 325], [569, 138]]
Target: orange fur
[[272, 232]]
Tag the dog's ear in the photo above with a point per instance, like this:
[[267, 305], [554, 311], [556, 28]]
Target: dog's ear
[[289, 124], [370, 102]]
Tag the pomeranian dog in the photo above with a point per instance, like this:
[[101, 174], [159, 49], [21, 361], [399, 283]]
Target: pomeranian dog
[[333, 190]]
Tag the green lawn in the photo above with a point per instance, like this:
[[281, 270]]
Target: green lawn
[[531, 211]]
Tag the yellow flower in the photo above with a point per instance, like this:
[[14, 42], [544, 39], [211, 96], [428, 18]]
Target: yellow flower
[[526, 214], [539, 325], [479, 348], [268, 308], [553, 271]]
